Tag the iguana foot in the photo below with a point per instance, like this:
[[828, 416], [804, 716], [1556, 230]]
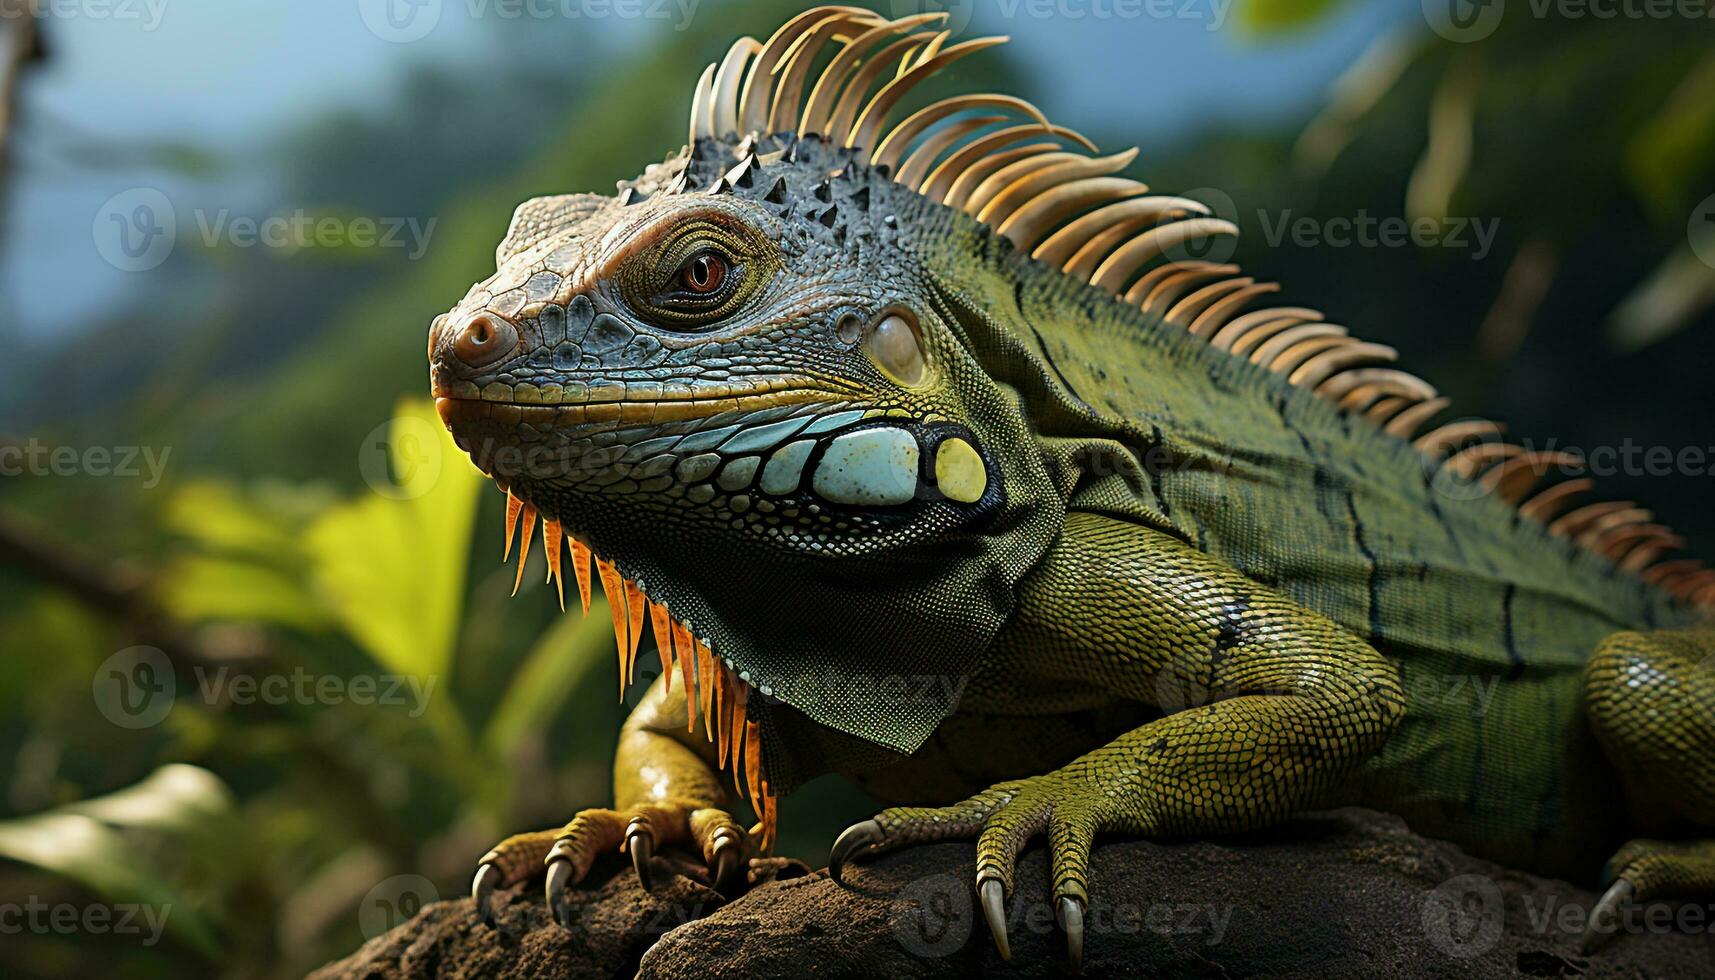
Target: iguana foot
[[1646, 869], [1067, 805], [568, 852]]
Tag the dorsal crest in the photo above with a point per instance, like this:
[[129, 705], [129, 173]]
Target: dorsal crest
[[840, 73]]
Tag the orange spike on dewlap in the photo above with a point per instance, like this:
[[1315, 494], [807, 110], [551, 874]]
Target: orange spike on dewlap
[[552, 534], [661, 623], [513, 507], [685, 652], [581, 556], [524, 549]]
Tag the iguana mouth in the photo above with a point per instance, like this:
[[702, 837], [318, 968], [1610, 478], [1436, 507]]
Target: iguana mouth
[[714, 688], [464, 402]]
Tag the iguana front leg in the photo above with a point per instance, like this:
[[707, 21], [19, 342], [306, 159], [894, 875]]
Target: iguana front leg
[[667, 790], [1293, 703]]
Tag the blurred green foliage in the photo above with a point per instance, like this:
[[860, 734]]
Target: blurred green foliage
[[317, 524]]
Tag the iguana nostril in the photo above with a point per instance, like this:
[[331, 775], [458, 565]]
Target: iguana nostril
[[484, 339]]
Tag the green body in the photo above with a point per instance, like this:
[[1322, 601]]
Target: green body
[[1490, 619]]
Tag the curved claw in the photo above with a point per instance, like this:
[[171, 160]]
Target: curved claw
[[727, 849], [857, 837], [559, 883], [994, 910], [1072, 922], [640, 841], [482, 889], [1607, 907]]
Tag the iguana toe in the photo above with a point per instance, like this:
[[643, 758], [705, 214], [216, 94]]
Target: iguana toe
[[1603, 917], [482, 890], [1070, 914], [856, 839], [1067, 806], [561, 877], [994, 910], [640, 842], [728, 849]]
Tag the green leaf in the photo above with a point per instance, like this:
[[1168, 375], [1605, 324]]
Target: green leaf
[[198, 588], [91, 843], [1271, 16], [559, 661], [391, 566], [1672, 151], [218, 517]]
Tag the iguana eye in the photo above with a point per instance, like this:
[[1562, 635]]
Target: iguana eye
[[703, 274], [697, 274]]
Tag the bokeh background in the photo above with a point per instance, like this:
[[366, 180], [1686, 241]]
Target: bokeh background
[[261, 679]]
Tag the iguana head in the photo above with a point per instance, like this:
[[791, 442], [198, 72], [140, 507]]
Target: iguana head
[[749, 385]]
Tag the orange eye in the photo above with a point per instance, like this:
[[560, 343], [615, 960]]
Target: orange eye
[[703, 274]]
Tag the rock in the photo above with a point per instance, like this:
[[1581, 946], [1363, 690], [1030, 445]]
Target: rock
[[1344, 894]]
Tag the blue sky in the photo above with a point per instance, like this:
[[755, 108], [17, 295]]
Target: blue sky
[[230, 75]]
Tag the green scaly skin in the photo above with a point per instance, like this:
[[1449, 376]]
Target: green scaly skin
[[1181, 597]]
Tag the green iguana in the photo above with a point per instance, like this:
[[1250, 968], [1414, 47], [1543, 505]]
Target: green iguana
[[937, 454]]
